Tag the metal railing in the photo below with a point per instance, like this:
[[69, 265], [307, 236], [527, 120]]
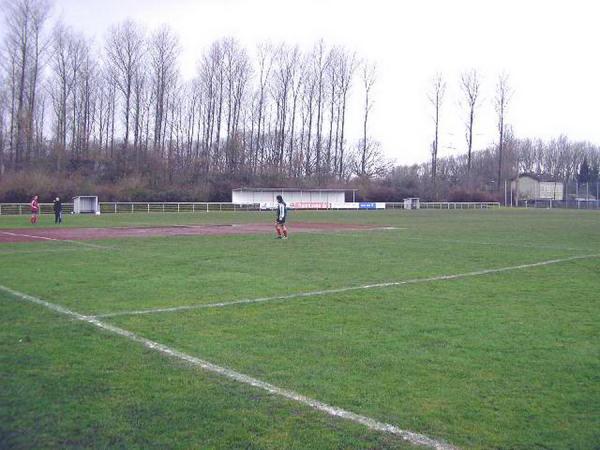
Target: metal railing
[[11, 209], [132, 207], [578, 203], [446, 205], [193, 207], [173, 207]]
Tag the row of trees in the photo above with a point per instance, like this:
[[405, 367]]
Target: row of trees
[[119, 109], [475, 177], [470, 88], [123, 108]]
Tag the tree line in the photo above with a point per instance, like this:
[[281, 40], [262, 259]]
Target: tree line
[[474, 177], [119, 112], [122, 107], [490, 168]]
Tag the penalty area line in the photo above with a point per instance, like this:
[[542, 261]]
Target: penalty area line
[[300, 295], [370, 423]]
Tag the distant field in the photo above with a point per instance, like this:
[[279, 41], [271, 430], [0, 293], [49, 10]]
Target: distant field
[[480, 329]]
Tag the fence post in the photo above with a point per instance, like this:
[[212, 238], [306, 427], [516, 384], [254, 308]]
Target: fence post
[[193, 207], [20, 209], [587, 191], [177, 207]]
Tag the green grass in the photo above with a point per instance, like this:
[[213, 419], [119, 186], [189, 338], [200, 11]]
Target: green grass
[[65, 385], [506, 360]]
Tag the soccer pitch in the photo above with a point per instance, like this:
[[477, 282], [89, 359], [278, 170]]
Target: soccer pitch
[[468, 329]]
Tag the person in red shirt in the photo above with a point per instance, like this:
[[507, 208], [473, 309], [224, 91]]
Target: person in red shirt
[[35, 210]]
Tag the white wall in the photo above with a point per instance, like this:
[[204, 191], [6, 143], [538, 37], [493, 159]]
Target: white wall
[[551, 190], [526, 188], [290, 197]]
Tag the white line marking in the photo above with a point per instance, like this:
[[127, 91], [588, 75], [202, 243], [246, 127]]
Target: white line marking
[[346, 289], [47, 250], [85, 244], [372, 424]]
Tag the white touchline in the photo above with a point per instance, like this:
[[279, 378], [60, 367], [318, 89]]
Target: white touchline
[[344, 289], [85, 244], [375, 425]]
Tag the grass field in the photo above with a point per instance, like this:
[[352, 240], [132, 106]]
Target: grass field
[[509, 358]]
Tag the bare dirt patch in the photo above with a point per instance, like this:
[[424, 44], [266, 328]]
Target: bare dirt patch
[[85, 234]]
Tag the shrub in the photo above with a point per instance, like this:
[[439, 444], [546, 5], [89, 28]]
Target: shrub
[[465, 195]]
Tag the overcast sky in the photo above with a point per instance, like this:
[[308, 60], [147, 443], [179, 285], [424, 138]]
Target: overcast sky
[[549, 48]]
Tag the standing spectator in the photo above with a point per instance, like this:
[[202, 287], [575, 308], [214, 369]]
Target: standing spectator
[[280, 227], [57, 210], [35, 209]]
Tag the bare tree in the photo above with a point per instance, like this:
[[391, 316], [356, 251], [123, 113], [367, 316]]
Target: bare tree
[[308, 119], [39, 11], [72, 90], [163, 53], [369, 160], [265, 63], [347, 66], [368, 80], [436, 98], [501, 101], [60, 86], [297, 81], [282, 113], [283, 88], [470, 86], [333, 73], [24, 45], [77, 59], [320, 63], [3, 114], [236, 74], [124, 51]]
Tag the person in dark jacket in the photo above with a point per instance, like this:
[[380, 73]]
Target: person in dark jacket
[[280, 227], [57, 210]]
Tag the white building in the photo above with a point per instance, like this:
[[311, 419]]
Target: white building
[[536, 187], [294, 197]]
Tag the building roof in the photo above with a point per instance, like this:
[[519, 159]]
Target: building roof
[[287, 189], [538, 177]]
